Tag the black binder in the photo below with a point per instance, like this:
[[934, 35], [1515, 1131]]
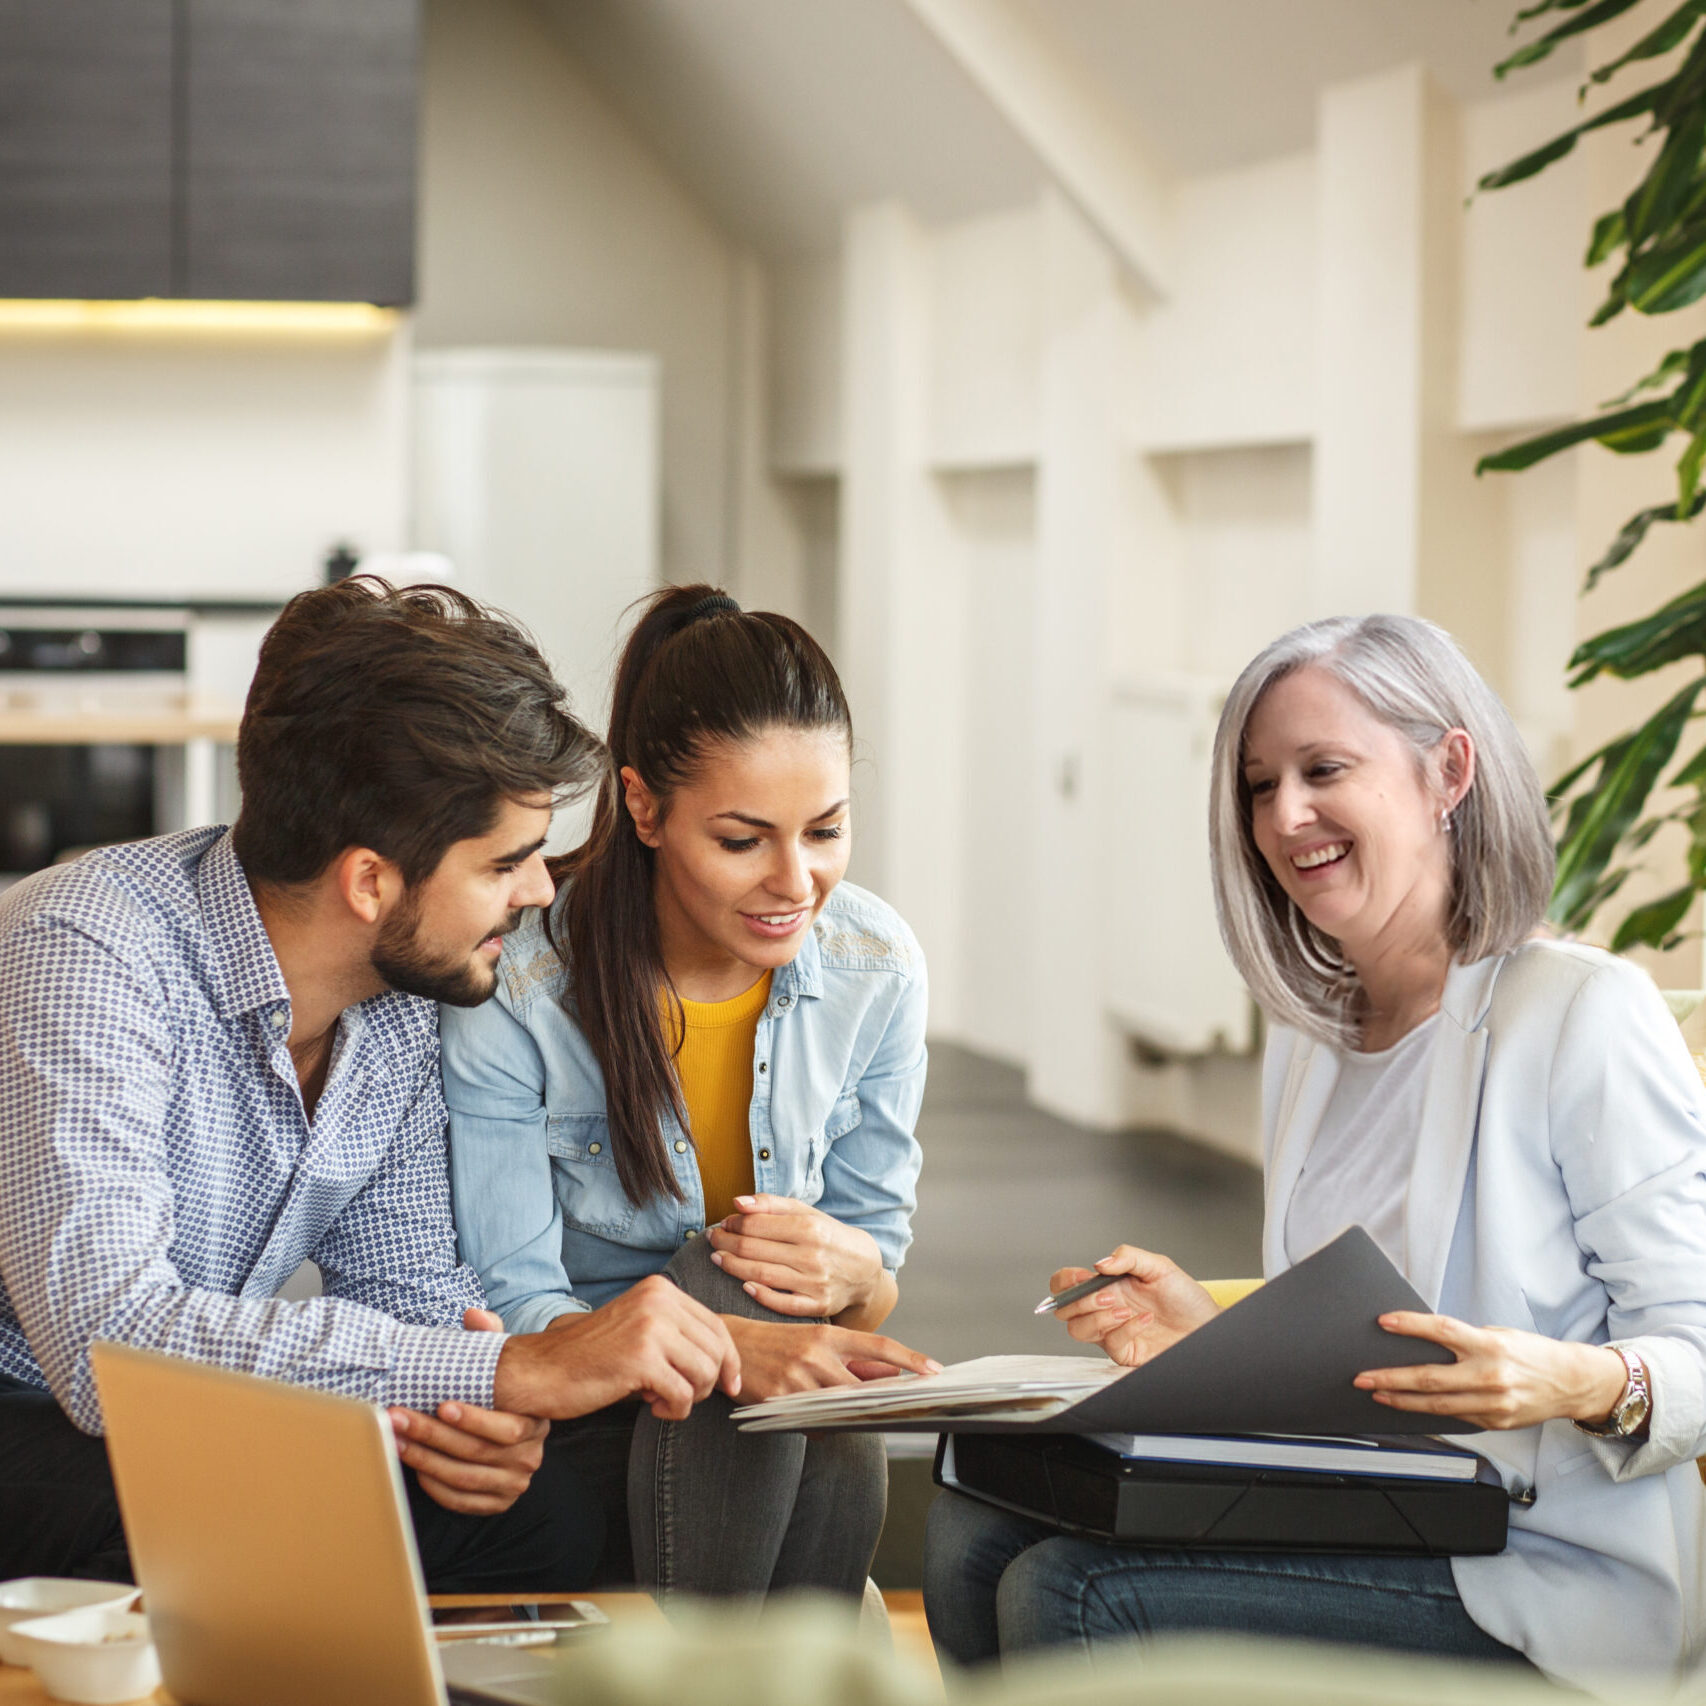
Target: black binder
[[1085, 1489]]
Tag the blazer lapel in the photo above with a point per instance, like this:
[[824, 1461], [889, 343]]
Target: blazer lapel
[[1308, 1087], [1451, 1106]]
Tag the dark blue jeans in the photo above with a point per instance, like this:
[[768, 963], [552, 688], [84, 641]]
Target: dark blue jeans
[[998, 1584], [59, 1514]]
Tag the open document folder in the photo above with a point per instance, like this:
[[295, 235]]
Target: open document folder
[[1278, 1361]]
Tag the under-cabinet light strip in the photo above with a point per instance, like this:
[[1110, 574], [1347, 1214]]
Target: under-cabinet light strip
[[163, 314]]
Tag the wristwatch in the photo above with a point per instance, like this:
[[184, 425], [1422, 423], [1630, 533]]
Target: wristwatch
[[1629, 1414]]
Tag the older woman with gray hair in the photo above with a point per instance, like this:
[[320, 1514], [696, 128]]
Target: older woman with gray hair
[[1516, 1122]]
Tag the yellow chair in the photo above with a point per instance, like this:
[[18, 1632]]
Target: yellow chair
[[1228, 1292]]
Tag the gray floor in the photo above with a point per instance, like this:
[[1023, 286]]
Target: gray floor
[[1008, 1195]]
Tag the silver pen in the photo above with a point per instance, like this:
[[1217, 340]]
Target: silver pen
[[1073, 1293]]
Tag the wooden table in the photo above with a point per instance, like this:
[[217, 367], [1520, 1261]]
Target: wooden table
[[18, 1687]]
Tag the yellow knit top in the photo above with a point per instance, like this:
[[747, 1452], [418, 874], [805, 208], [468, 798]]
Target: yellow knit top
[[715, 1064]]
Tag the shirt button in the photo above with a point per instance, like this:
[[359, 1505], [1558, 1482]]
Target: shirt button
[[680, 1147], [783, 1003], [594, 1148], [692, 1232], [280, 1019], [764, 1066], [764, 1155]]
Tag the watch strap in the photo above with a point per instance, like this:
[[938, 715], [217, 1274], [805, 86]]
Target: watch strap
[[1634, 1405]]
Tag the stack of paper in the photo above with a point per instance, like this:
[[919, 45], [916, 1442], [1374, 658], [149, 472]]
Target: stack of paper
[[985, 1389]]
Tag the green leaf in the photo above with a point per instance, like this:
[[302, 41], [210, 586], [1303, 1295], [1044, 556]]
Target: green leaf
[[1674, 631], [1692, 775], [1669, 276], [1644, 417], [1688, 401], [1610, 308], [1655, 202], [1608, 234], [1555, 794], [1671, 33], [1688, 474], [1644, 101], [1653, 923], [1543, 6], [1633, 532], [1592, 901], [1627, 773], [1594, 16], [1643, 832]]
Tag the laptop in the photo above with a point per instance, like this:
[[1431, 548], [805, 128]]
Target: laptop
[[271, 1537]]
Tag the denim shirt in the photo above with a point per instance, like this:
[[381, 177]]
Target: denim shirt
[[837, 1076]]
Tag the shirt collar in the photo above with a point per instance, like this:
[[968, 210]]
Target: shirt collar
[[246, 974], [803, 974]]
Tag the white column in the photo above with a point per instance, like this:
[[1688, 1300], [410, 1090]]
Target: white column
[[1076, 1056], [898, 620], [1385, 497]]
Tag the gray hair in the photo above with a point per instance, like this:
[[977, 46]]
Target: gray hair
[[1412, 676]]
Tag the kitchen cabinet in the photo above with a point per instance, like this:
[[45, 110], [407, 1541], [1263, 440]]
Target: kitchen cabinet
[[258, 150], [86, 148], [299, 150]]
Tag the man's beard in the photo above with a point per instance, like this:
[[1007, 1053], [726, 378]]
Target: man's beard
[[407, 965]]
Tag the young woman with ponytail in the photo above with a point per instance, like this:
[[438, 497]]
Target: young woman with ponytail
[[705, 1059]]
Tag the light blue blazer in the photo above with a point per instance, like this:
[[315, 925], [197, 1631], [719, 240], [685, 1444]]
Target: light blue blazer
[[1559, 1187]]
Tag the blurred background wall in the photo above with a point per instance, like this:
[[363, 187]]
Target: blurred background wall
[[1046, 357]]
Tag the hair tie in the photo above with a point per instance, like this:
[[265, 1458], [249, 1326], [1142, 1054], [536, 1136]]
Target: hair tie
[[709, 607]]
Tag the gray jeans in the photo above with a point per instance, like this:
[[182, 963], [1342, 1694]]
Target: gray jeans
[[716, 1511]]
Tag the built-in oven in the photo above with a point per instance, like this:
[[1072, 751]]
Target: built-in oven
[[108, 729]]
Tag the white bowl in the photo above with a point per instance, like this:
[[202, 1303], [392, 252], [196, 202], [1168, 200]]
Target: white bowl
[[95, 1656], [42, 1596]]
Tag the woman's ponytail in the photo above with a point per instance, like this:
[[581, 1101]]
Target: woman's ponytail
[[696, 671]]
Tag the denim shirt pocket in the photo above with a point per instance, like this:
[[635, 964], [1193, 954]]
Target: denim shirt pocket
[[843, 1116], [584, 1174]]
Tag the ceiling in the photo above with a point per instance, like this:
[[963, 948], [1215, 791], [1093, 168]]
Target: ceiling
[[779, 114]]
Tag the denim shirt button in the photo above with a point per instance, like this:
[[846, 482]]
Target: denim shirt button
[[764, 1155], [594, 1148], [680, 1146], [692, 1232], [783, 1003], [764, 1066]]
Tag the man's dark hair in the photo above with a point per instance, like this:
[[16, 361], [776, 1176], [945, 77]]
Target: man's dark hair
[[396, 719]]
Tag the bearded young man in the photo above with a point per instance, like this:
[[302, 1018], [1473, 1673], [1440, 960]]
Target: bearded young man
[[219, 1059]]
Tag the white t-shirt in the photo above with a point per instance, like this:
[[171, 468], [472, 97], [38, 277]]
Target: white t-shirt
[[1358, 1170]]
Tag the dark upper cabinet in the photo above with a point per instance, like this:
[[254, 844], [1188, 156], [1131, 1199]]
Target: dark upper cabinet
[[85, 147], [225, 149], [299, 149]]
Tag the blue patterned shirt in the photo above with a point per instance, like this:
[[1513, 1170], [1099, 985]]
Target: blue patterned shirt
[[159, 1178]]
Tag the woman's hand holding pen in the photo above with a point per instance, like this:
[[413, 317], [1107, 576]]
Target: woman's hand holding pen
[[1149, 1303], [797, 1260]]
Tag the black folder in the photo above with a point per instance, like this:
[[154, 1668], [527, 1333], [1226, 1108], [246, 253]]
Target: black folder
[[1084, 1489], [1279, 1361]]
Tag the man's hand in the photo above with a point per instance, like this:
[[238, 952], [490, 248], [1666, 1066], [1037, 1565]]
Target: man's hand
[[1150, 1303], [795, 1259], [777, 1357], [467, 1458], [654, 1340]]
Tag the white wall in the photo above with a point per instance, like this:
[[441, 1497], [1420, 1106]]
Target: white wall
[[193, 463], [546, 220], [1229, 357]]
